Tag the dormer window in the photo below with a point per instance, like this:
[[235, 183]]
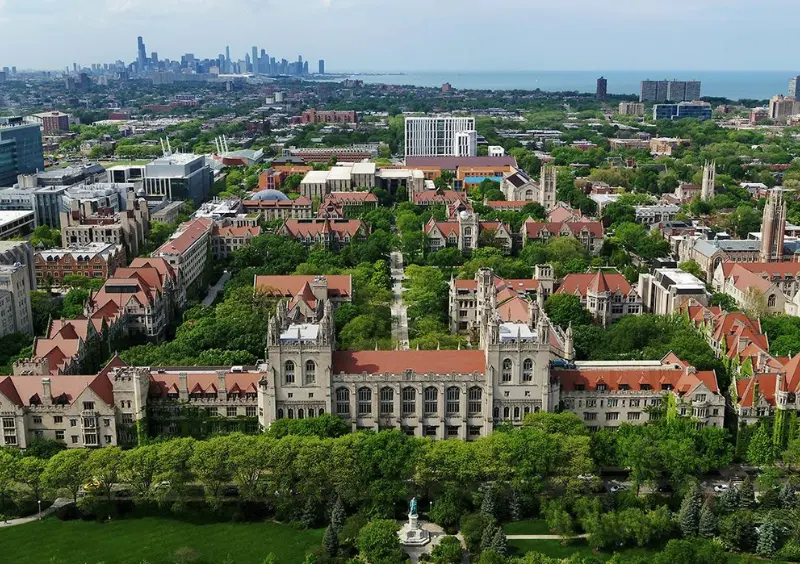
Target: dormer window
[[602, 387]]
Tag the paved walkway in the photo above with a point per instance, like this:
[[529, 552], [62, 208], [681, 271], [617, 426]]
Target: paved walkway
[[216, 288], [57, 504], [399, 309], [543, 537]]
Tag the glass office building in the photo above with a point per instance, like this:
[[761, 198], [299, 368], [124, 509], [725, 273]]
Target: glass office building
[[20, 149]]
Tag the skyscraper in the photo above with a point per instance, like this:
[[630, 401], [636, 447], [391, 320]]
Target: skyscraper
[[773, 225], [255, 60], [141, 57], [20, 149], [794, 87], [227, 67], [653, 91], [602, 88], [321, 66]]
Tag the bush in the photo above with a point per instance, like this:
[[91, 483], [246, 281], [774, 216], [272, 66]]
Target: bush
[[448, 551], [472, 527], [446, 512]]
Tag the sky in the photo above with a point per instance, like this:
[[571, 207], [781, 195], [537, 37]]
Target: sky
[[412, 35]]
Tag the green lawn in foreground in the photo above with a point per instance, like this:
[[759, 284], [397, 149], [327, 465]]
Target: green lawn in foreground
[[154, 540], [529, 527]]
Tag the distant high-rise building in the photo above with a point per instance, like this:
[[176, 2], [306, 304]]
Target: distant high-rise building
[[653, 91], [321, 66], [438, 136], [631, 108], [20, 149], [773, 226], [141, 56], [13, 70], [781, 108], [794, 87], [154, 58], [602, 88], [304, 70], [254, 62]]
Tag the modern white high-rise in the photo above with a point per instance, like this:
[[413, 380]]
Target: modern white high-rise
[[440, 136]]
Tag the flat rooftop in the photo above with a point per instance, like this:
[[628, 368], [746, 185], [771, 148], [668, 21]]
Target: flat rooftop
[[9, 216], [315, 177]]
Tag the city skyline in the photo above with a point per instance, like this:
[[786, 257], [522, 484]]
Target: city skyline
[[174, 27]]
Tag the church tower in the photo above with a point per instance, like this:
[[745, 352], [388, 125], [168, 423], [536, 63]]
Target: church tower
[[547, 187], [773, 227], [709, 181]]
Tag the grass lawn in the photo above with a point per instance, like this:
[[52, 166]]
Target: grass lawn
[[154, 540], [529, 527]]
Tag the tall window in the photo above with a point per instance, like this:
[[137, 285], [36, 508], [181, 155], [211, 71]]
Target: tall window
[[475, 405], [527, 370], [364, 401], [453, 406], [311, 372], [342, 401], [387, 401], [507, 367], [288, 371], [771, 301], [409, 401], [431, 401]]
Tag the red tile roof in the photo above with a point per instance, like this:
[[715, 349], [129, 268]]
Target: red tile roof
[[204, 382], [420, 362], [635, 378], [187, 235], [319, 226], [579, 284], [339, 285]]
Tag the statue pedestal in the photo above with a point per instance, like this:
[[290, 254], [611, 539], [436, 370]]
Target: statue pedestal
[[412, 533]]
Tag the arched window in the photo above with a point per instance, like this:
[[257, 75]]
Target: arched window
[[475, 405], [507, 368], [342, 401], [771, 301], [288, 372], [528, 195], [467, 231], [321, 412], [527, 410], [387, 401], [291, 413], [527, 370], [453, 397], [300, 414], [409, 401], [496, 413], [516, 413], [280, 414], [311, 372], [364, 401], [506, 413], [431, 406]]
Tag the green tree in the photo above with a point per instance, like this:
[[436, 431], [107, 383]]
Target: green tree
[[708, 522], [448, 551], [738, 531], [566, 309], [788, 496], [689, 515], [691, 552], [472, 527], [761, 450], [67, 471], [499, 541], [8, 471], [746, 495], [338, 515], [29, 473], [330, 541], [105, 465], [488, 506], [379, 544], [768, 538]]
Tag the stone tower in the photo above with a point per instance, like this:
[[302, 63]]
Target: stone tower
[[547, 187], [773, 227], [709, 181]]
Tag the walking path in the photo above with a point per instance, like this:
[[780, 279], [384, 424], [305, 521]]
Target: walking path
[[399, 309], [57, 504], [216, 288]]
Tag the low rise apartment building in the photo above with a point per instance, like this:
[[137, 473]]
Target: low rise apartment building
[[330, 233], [467, 233], [347, 204], [667, 290], [226, 238], [589, 233], [95, 260], [128, 228], [188, 251], [608, 296], [272, 209]]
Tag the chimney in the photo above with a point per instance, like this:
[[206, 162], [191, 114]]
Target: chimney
[[221, 389], [183, 388], [47, 394]]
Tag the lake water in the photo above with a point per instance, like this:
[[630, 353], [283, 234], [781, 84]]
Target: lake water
[[735, 85]]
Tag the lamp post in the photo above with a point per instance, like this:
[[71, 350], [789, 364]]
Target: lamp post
[[40, 509]]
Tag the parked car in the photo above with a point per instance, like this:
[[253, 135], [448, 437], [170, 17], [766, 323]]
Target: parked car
[[720, 488]]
